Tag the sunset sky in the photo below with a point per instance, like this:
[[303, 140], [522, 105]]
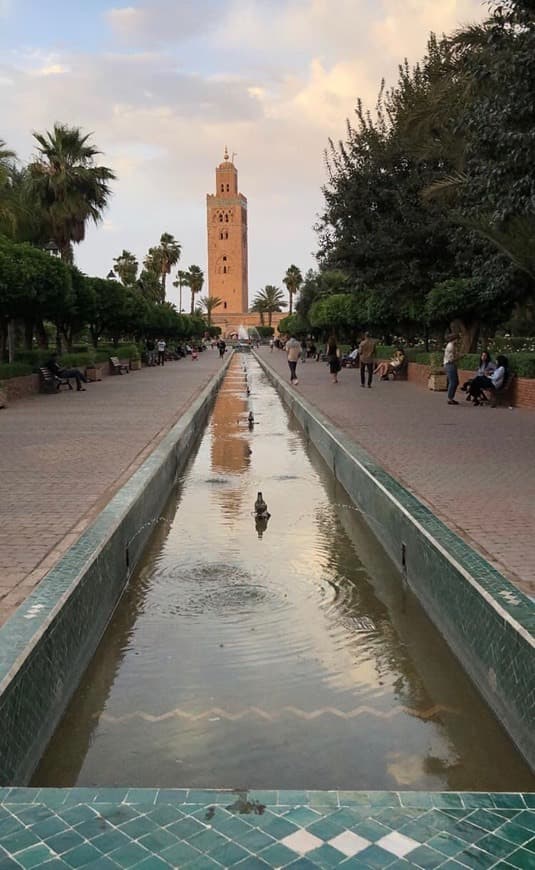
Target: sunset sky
[[164, 85]]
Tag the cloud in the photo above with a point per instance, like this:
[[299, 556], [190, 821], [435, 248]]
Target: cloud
[[163, 22], [271, 80]]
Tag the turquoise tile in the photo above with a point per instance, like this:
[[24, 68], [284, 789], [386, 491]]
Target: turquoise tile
[[158, 840], [8, 826], [136, 828], [251, 863], [514, 833], [383, 799], [370, 830], [277, 855], [178, 855], [81, 855], [268, 797], [165, 814], [526, 819], [110, 840], [529, 800], [325, 829], [325, 856], [186, 828], [19, 839], [447, 800], [278, 827], [254, 840], [64, 841], [374, 856], [231, 827], [448, 844], [416, 799], [173, 796], [323, 799], [75, 815], [496, 845], [485, 819], [48, 827], [129, 855], [204, 862], [31, 815], [477, 799], [302, 816], [21, 796], [209, 796], [508, 801], [152, 863], [207, 841], [141, 796], [229, 854], [35, 856], [289, 798], [523, 859], [8, 863], [468, 832], [54, 864], [476, 858], [345, 818], [426, 857], [91, 828], [110, 796]]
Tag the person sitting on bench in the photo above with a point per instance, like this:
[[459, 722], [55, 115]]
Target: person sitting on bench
[[495, 382], [486, 367], [60, 372], [392, 367]]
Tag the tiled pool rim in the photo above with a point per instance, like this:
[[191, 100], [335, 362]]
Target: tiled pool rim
[[47, 644], [202, 828], [487, 622]]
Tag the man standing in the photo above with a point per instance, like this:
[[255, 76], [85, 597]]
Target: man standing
[[161, 352], [367, 358], [451, 355], [221, 346], [293, 351]]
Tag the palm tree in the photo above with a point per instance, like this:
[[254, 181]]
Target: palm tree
[[181, 281], [8, 210], [126, 267], [170, 255], [68, 185], [195, 281], [259, 305], [210, 303], [293, 280], [270, 299]]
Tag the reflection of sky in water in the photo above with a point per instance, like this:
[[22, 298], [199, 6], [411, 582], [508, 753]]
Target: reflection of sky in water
[[307, 625]]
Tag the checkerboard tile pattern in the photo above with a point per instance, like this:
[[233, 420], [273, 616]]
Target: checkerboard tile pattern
[[197, 829]]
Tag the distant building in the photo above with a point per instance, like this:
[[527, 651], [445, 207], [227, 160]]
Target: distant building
[[226, 214]]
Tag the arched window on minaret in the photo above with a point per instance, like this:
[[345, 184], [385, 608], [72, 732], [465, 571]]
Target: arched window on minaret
[[220, 218]]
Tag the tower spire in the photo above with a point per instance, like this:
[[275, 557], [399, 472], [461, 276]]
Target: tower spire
[[225, 156]]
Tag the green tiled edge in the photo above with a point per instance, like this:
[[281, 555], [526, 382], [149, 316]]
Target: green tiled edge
[[203, 828], [488, 623], [46, 643], [482, 571]]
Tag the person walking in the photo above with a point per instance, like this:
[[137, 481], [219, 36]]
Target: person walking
[[293, 351], [221, 346], [161, 352], [451, 355], [333, 355], [367, 359]]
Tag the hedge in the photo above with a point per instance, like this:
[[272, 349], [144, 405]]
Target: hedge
[[14, 370]]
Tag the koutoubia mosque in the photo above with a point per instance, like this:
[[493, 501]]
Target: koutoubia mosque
[[226, 213]]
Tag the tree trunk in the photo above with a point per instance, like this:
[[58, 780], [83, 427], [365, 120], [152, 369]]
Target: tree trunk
[[3, 339], [11, 339], [94, 336], [28, 334], [469, 334], [270, 316], [42, 337], [290, 294], [58, 340]]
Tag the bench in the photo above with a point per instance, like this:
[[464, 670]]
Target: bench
[[503, 396], [117, 367], [50, 382]]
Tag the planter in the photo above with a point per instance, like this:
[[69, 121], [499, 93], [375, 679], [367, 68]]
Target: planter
[[3, 398], [93, 373], [135, 365], [437, 381]]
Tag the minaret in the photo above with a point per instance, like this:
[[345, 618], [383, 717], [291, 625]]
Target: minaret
[[227, 241]]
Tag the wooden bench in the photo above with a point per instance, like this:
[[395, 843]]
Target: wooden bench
[[117, 367], [503, 396], [50, 382]]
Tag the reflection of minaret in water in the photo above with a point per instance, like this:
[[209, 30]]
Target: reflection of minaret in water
[[230, 450]]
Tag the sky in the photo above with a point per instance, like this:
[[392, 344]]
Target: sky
[[164, 85]]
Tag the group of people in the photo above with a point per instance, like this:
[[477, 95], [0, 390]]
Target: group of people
[[365, 353], [490, 375], [156, 352]]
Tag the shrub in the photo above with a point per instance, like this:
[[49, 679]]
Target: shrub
[[265, 331], [14, 370]]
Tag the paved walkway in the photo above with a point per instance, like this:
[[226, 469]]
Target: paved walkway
[[474, 467], [62, 457]]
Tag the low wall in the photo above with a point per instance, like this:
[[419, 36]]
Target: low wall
[[47, 644], [523, 388], [18, 388], [487, 622]]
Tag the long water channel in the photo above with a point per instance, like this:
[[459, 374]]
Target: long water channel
[[278, 655]]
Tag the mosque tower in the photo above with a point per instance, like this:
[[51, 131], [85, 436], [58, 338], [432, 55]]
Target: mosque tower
[[227, 241]]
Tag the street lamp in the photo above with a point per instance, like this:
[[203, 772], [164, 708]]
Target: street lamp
[[52, 248]]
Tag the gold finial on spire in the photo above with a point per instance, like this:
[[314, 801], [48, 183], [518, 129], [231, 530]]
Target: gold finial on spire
[[225, 156]]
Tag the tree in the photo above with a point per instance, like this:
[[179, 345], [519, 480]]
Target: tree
[[126, 266], [68, 185], [8, 207], [181, 281], [170, 251], [270, 299], [293, 280], [149, 284], [194, 280], [259, 306], [210, 303]]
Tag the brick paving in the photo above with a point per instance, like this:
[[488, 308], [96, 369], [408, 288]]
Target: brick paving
[[474, 467], [62, 456]]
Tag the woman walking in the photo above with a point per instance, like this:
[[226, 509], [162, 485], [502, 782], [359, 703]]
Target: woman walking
[[333, 355]]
